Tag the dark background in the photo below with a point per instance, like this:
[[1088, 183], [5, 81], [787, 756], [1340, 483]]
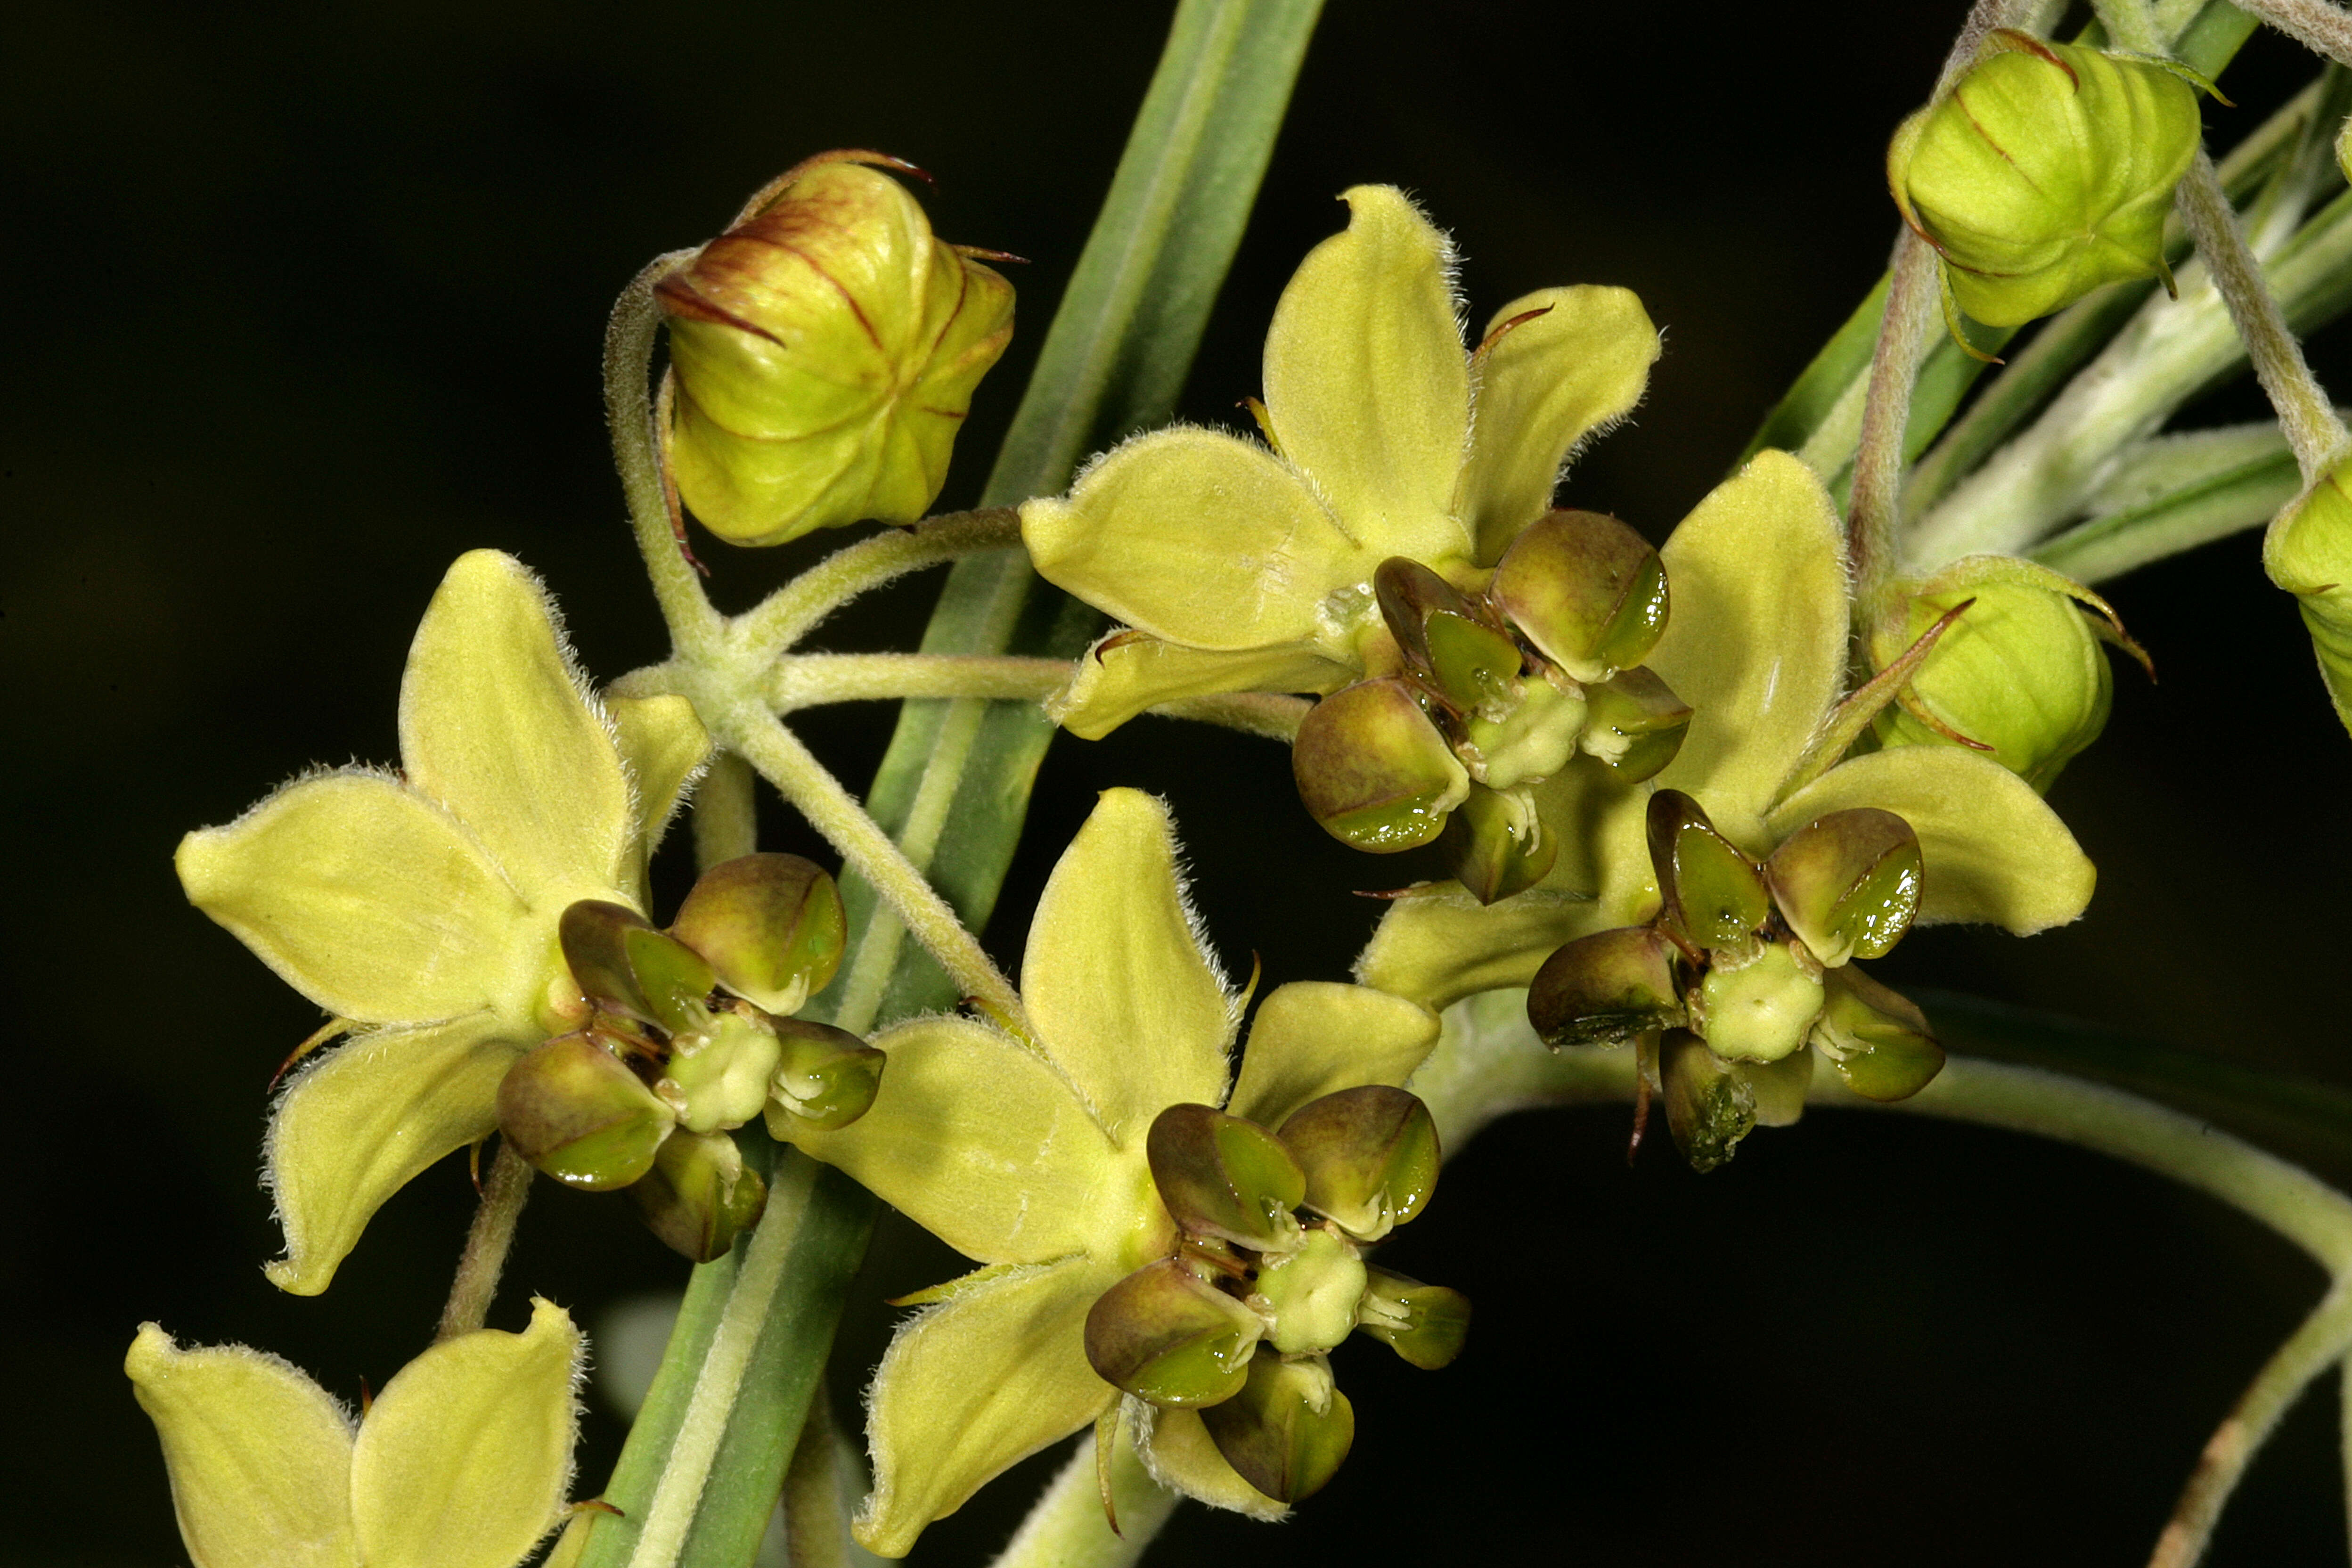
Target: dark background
[[307, 300]]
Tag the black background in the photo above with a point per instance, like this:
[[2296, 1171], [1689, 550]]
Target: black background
[[307, 300]]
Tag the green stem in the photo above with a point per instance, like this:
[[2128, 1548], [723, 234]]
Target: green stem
[[2315, 24], [694, 626], [1065, 1529], [793, 611], [810, 681], [504, 1191], [726, 814]]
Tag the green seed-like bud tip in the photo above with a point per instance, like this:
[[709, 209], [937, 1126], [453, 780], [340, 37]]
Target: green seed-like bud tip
[[1423, 1323], [572, 1109], [1221, 1176], [1288, 1428], [1586, 590], [699, 1195], [1370, 1154], [1606, 989], [771, 926], [1848, 883], [1373, 769], [1165, 1335]]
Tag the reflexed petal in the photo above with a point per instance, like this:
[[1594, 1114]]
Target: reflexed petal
[[1758, 640], [1199, 538], [351, 1131], [978, 1141], [1117, 979], [1991, 850], [1312, 1037], [1183, 1457], [1543, 387], [464, 1459], [1118, 681], [1440, 944], [1366, 383], [260, 1457], [975, 1385], [663, 746], [497, 726], [364, 896]]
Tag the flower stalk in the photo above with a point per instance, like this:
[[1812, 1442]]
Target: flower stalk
[[504, 1191]]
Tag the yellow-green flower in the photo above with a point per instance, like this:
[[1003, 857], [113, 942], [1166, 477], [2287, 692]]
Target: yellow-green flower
[[1759, 648], [422, 906], [461, 1462], [1027, 1155], [1242, 567]]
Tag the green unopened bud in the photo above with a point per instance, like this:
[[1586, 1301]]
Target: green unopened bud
[[1221, 1176], [1288, 1430], [1587, 591], [1168, 1336], [771, 926], [2308, 552], [1714, 894], [1445, 639], [1497, 845], [1533, 739], [699, 1195], [1606, 989], [1848, 883], [2021, 671], [826, 350], [826, 1077], [1374, 770], [1710, 1106], [2046, 172], [1878, 1041], [625, 966], [1423, 1323], [1634, 723], [572, 1109], [1370, 1154], [1760, 1010], [1312, 1294], [718, 1076]]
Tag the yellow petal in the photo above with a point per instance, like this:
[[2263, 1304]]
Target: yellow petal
[[1543, 387], [663, 746], [1312, 1037], [260, 1457], [1120, 679], [364, 896], [350, 1131], [972, 1386], [497, 726], [1183, 1457], [1366, 383], [981, 1142], [1200, 539], [1117, 981], [1991, 850], [464, 1456], [1757, 637]]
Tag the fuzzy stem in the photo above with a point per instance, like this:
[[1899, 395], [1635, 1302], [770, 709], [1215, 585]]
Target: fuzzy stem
[[2315, 24], [793, 611], [833, 811], [487, 1241], [694, 626], [726, 817], [816, 1524], [1065, 1529], [2130, 26], [2305, 411], [809, 680]]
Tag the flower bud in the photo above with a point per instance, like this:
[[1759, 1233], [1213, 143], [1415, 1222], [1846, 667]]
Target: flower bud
[[1164, 1334], [2308, 552], [1760, 1010], [1373, 769], [1497, 844], [699, 1195], [1878, 1041], [1587, 591], [575, 1110], [1423, 1323], [1312, 1294], [826, 350], [1221, 1176], [1848, 883], [1634, 723], [2020, 670], [1605, 989], [624, 965], [718, 1076], [1710, 1106], [1369, 1155], [1714, 894], [2045, 172], [771, 926], [1288, 1428], [826, 1077]]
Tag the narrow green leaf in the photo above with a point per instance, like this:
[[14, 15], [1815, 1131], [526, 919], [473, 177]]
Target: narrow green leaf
[[2214, 506]]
